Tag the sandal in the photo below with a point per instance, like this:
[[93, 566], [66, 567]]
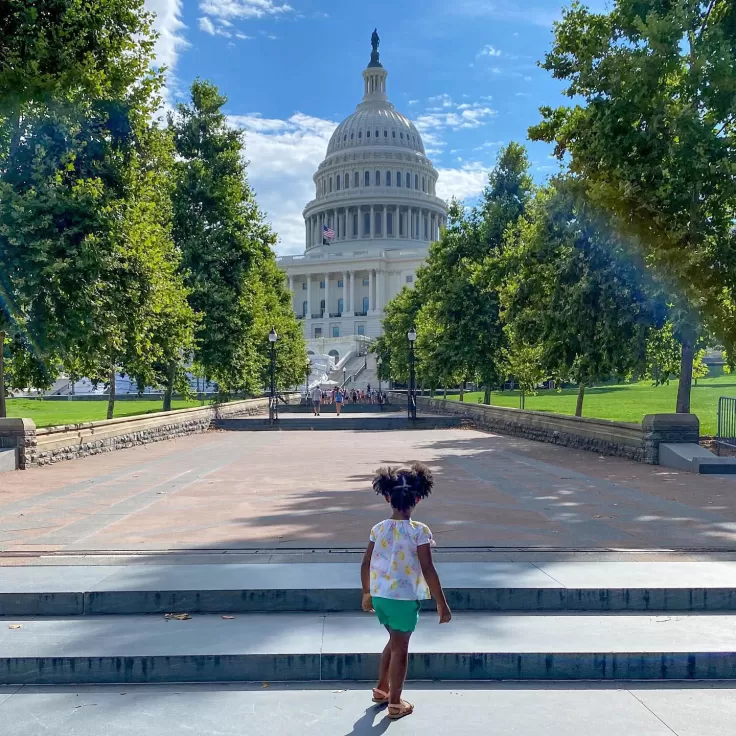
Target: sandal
[[379, 696], [400, 710]]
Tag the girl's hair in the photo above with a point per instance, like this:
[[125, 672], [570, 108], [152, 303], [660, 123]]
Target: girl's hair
[[402, 486]]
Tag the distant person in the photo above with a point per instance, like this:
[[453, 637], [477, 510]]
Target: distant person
[[380, 400], [316, 400], [397, 573], [368, 389], [339, 396]]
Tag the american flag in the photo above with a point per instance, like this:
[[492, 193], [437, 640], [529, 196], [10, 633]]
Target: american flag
[[327, 233]]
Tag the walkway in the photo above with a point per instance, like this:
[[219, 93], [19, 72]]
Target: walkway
[[296, 490]]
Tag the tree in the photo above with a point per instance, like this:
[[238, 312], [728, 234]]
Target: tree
[[235, 286], [654, 141], [52, 53], [393, 346], [573, 289]]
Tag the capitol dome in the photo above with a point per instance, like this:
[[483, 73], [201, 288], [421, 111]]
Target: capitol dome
[[375, 183]]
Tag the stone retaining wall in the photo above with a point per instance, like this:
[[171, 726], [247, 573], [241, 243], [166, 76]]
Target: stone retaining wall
[[53, 444], [638, 442]]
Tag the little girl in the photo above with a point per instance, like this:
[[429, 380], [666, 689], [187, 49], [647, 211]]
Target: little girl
[[397, 573]]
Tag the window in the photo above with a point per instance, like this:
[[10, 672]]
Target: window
[[426, 229], [424, 184], [408, 181], [377, 134], [318, 332], [377, 223], [378, 178], [335, 331], [385, 134], [322, 307], [321, 284], [366, 223], [304, 285], [393, 134], [367, 178], [389, 223], [401, 135], [401, 225], [365, 282], [365, 303], [305, 308], [367, 134], [416, 181], [339, 285], [410, 279], [398, 178], [355, 225], [361, 329], [352, 136], [345, 137], [337, 183], [339, 309], [356, 182], [388, 178]]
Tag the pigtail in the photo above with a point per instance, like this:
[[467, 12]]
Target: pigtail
[[384, 481], [423, 480]]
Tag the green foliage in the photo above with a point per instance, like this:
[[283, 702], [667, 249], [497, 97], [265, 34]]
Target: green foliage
[[235, 286], [89, 268], [393, 346], [653, 138], [574, 293]]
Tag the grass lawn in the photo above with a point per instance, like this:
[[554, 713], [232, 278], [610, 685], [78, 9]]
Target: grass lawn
[[51, 413], [625, 402]]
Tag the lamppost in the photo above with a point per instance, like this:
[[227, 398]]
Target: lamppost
[[273, 413], [412, 335], [379, 363], [344, 376]]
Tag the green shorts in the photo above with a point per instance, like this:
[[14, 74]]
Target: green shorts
[[397, 615]]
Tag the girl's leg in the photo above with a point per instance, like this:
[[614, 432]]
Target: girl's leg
[[383, 669], [399, 661]]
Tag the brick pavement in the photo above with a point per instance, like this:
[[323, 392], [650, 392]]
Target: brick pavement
[[290, 490]]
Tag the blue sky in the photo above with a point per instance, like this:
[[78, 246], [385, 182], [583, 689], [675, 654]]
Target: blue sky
[[464, 70]]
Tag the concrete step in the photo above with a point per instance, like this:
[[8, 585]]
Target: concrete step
[[8, 460], [346, 409], [313, 647], [693, 458], [330, 422], [335, 587], [339, 708]]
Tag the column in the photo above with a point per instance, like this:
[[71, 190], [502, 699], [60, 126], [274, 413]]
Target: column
[[371, 300], [379, 289], [306, 233], [344, 292], [337, 224], [309, 296], [352, 293], [291, 290], [397, 221], [372, 229], [327, 294]]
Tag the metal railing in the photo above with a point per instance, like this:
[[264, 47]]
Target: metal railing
[[726, 434]]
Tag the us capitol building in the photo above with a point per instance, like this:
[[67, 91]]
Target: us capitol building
[[369, 227]]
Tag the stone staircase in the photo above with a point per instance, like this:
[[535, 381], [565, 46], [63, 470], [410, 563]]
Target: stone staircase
[[329, 422], [147, 623]]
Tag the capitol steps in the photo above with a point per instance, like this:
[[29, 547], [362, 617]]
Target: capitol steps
[[329, 422], [153, 623]]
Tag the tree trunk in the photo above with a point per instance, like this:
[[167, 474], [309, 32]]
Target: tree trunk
[[111, 397], [462, 391], [3, 407], [686, 375], [170, 375], [579, 405], [487, 395], [445, 392], [522, 399]]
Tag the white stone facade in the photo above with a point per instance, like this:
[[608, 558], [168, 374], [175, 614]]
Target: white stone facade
[[376, 191]]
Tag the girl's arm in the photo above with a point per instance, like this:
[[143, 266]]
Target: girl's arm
[[424, 552], [365, 577]]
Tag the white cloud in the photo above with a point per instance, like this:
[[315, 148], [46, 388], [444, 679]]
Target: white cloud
[[413, 102], [468, 117], [465, 183], [489, 50], [283, 155], [206, 25], [244, 8], [169, 26]]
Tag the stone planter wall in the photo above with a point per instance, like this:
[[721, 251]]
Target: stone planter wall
[[53, 444], [638, 442]]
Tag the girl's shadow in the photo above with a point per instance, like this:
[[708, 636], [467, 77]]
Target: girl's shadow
[[364, 725]]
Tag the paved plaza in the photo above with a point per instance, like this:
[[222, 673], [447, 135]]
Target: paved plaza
[[311, 490]]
